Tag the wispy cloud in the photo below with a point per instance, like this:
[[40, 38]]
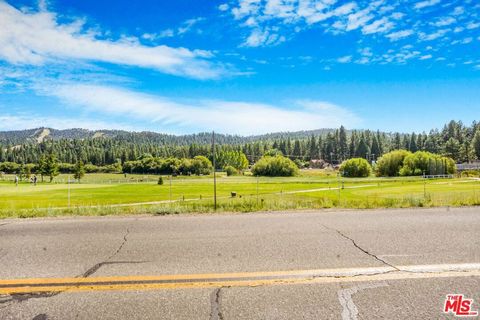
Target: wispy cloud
[[344, 59], [38, 38], [432, 36], [265, 37], [224, 116], [394, 36], [444, 21], [30, 121], [272, 22], [381, 25], [427, 3]]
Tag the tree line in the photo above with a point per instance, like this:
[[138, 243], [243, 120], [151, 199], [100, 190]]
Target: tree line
[[455, 140]]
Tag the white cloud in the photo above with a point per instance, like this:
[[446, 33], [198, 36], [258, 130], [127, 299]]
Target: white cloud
[[187, 25], [426, 57], [223, 7], [265, 37], [37, 38], [432, 36], [473, 25], [397, 15], [381, 25], [427, 3], [167, 33], [394, 36], [345, 59], [358, 19], [223, 116], [246, 8], [19, 122], [458, 11], [444, 21]]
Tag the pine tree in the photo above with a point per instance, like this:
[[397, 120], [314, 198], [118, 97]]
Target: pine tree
[[312, 146], [42, 166], [363, 151], [413, 143], [353, 145], [342, 143], [375, 149], [297, 151], [51, 166], [476, 144], [78, 171]]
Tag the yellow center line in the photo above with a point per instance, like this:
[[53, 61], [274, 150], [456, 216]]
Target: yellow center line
[[246, 283], [250, 279]]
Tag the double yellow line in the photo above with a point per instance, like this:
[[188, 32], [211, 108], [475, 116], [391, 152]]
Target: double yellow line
[[245, 279]]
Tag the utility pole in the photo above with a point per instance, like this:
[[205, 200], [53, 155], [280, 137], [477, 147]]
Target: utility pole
[[170, 190], [339, 196], [257, 190], [424, 186], [68, 183], [214, 174]]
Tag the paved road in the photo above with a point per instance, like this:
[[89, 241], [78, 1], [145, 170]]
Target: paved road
[[381, 264]]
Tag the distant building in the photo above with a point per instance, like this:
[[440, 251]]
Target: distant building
[[318, 163], [468, 166]]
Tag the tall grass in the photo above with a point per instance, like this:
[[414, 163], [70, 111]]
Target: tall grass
[[252, 204]]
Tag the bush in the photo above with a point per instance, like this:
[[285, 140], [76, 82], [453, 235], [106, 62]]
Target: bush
[[355, 168], [9, 167], [301, 164], [236, 159], [389, 164], [201, 165], [273, 153], [277, 166], [231, 171], [160, 180], [421, 162], [198, 165]]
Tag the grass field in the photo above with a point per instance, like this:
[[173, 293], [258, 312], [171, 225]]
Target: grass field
[[100, 194]]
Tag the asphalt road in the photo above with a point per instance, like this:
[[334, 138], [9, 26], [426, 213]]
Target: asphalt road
[[380, 264]]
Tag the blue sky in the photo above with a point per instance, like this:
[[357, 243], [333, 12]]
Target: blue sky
[[239, 66]]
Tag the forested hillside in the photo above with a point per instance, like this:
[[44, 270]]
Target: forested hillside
[[456, 140]]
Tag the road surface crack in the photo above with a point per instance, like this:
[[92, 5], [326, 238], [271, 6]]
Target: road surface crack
[[349, 309], [107, 261], [20, 297], [215, 303], [362, 249]]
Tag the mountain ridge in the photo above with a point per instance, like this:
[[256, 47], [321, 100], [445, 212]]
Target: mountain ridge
[[41, 134]]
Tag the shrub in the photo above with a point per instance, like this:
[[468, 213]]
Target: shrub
[[389, 164], [236, 159], [277, 166], [422, 162], [231, 171], [273, 153], [201, 165], [9, 167], [300, 163], [160, 180], [355, 167]]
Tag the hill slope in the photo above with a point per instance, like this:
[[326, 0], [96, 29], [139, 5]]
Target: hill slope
[[39, 135]]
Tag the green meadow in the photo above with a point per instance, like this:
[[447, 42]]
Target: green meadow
[[108, 194]]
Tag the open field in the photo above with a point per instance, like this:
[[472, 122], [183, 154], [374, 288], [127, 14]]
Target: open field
[[116, 194]]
